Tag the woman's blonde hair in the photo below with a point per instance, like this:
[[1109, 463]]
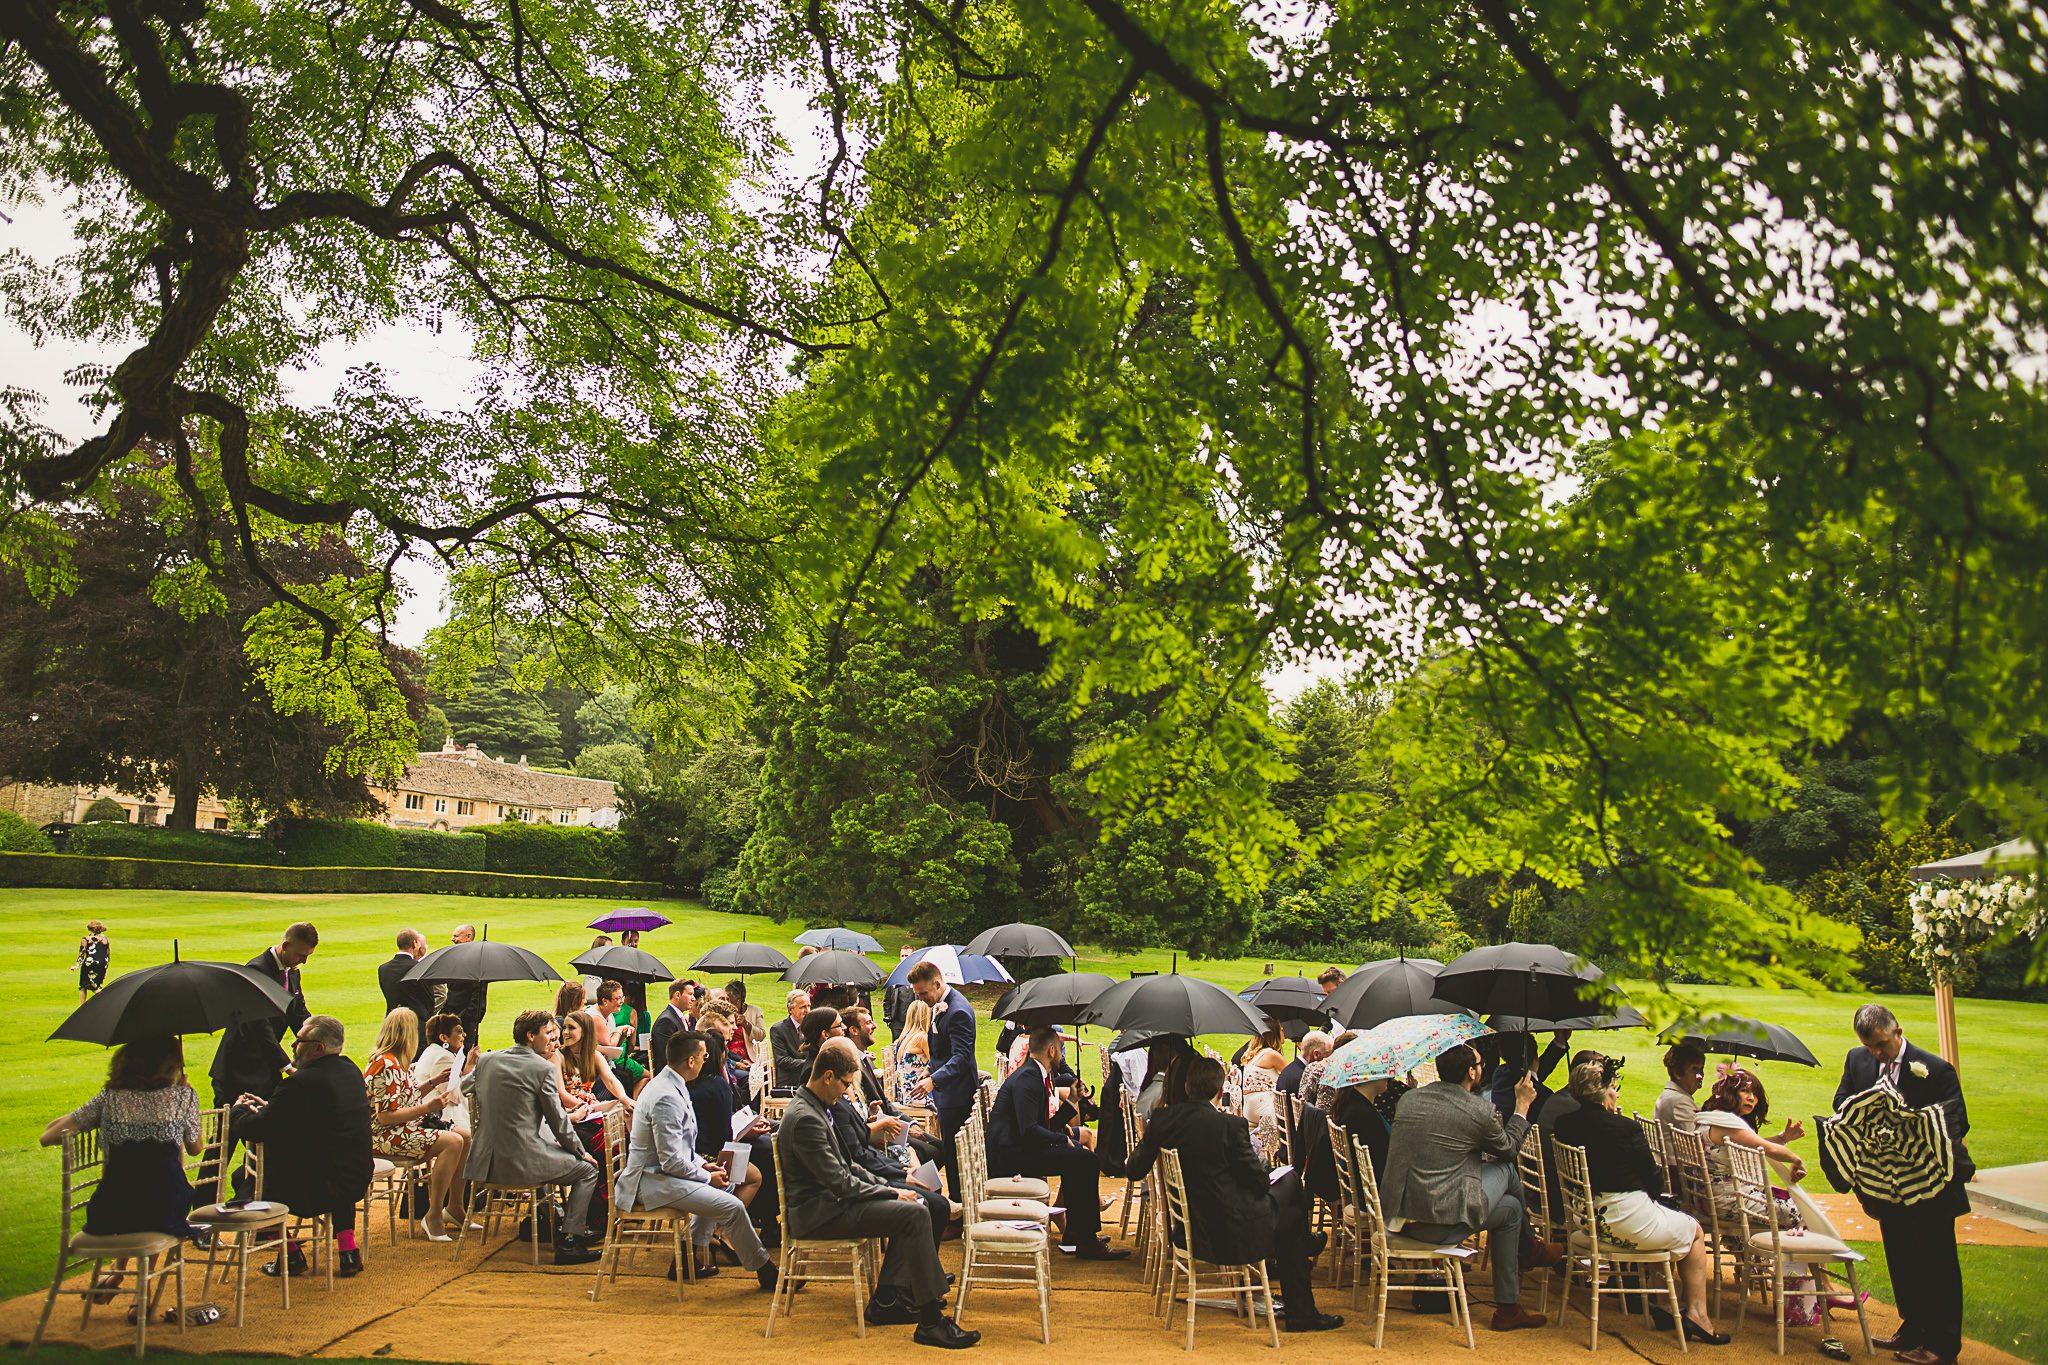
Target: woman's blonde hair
[[1588, 1082], [399, 1035], [917, 1019]]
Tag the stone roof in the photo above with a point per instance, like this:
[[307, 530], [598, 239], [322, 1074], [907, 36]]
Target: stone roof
[[469, 774]]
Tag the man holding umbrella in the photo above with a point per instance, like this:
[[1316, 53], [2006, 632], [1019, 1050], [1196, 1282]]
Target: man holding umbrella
[[251, 1058]]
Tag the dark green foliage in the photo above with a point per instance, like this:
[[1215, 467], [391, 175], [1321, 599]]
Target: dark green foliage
[[694, 821], [504, 720], [1834, 812], [607, 718], [458, 850], [155, 874], [105, 839], [557, 850], [105, 808], [18, 835], [338, 843], [433, 729]]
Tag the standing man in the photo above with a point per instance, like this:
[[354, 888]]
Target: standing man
[[251, 1057], [1022, 1141], [400, 994], [954, 1072], [519, 1102], [1330, 978], [667, 1025], [1919, 1239], [467, 1000]]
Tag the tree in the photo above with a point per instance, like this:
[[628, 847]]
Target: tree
[[134, 681], [505, 720], [607, 718], [622, 764], [104, 808], [1785, 267], [433, 729]]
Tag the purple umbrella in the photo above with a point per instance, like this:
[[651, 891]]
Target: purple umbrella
[[631, 917]]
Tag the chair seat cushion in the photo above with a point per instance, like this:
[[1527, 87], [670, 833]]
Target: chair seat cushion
[[1803, 1244], [1015, 1187], [216, 1216], [124, 1243], [381, 1166], [1006, 1235], [1013, 1208]]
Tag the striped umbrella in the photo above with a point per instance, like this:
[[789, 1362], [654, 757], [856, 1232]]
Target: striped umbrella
[[1397, 1047], [1885, 1150]]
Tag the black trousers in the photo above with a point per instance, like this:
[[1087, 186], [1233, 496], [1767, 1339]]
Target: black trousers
[[1290, 1259], [1927, 1278], [910, 1260], [1080, 1184], [951, 1121], [763, 1209]]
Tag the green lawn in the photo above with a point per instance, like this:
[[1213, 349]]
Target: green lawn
[[2001, 1295], [39, 931]]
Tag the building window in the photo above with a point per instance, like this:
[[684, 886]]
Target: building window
[[440, 805], [414, 801], [561, 817], [465, 808], [220, 822]]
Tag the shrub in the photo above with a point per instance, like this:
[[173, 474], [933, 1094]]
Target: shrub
[[431, 848], [719, 884], [105, 839], [105, 808], [17, 835], [338, 843], [154, 874], [557, 850]]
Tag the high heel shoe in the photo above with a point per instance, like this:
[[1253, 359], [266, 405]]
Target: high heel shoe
[[427, 1229], [1695, 1332]]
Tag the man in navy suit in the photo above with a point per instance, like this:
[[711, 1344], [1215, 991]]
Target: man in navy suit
[[251, 1058], [955, 1074], [1919, 1239], [1022, 1141]]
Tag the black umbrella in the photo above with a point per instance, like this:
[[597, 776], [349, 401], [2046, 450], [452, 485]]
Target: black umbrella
[[1623, 1016], [174, 999], [840, 939], [1395, 988], [1735, 1036], [742, 958], [621, 963], [482, 960], [1185, 1005], [1531, 980], [1019, 940], [1052, 999], [833, 967], [1286, 999]]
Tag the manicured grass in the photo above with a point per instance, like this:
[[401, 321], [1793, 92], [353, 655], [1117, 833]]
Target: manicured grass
[[39, 931], [2001, 1295]]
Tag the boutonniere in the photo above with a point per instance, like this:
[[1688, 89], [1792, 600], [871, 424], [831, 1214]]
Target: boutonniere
[[1918, 1069]]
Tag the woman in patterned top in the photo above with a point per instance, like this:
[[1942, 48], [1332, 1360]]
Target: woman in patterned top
[[93, 953], [398, 1131], [148, 1122]]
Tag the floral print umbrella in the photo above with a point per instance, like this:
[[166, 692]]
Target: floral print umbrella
[[1398, 1046]]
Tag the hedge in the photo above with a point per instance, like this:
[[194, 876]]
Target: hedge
[[159, 874], [105, 839], [17, 835], [337, 843], [544, 850], [460, 850]]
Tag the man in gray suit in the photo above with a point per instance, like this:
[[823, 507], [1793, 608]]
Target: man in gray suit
[[664, 1171], [829, 1197], [513, 1092], [1440, 1185]]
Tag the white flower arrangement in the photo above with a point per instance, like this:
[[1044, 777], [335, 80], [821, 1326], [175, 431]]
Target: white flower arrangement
[[1918, 1069], [1952, 919]]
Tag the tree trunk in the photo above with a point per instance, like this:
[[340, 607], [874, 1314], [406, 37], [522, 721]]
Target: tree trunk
[[185, 784]]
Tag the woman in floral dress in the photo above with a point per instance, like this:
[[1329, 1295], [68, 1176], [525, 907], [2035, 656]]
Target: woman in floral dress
[[398, 1127]]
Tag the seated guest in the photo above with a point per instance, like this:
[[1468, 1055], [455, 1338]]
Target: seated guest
[[585, 1072], [1313, 1047], [911, 1050], [667, 1023], [1359, 1114], [716, 1097], [444, 1061], [865, 1135], [1451, 1172], [1022, 1141], [516, 1091], [786, 1043], [1626, 1177], [663, 1169], [1686, 1065], [749, 1032], [569, 1000], [1166, 1066], [1312, 1089], [315, 1133], [398, 1129], [860, 1029], [147, 1117], [1240, 1214], [1733, 1113], [829, 1197], [615, 1041], [1518, 1056]]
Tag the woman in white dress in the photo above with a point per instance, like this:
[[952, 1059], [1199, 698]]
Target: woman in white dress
[[444, 1061]]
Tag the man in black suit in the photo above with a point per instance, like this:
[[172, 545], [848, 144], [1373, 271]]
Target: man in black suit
[[1022, 1141], [666, 1025], [467, 1000], [1240, 1214], [315, 1131], [400, 994], [786, 1044], [1919, 1239], [251, 1058]]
